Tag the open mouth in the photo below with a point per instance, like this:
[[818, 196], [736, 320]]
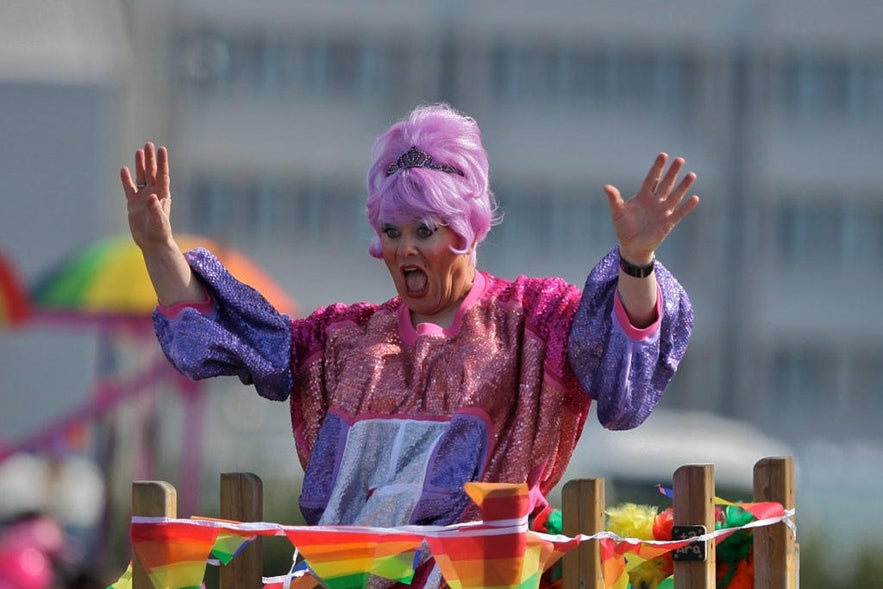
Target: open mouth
[[416, 280]]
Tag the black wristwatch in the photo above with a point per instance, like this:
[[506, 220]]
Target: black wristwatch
[[636, 271]]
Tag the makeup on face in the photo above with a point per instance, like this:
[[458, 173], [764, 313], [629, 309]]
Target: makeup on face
[[429, 276]]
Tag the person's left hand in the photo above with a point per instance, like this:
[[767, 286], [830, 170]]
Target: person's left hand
[[643, 221]]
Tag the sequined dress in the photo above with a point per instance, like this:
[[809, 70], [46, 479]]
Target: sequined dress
[[390, 421]]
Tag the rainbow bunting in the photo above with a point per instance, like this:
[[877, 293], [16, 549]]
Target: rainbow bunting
[[228, 545], [125, 581], [498, 552], [346, 557], [760, 510], [624, 559], [174, 553]]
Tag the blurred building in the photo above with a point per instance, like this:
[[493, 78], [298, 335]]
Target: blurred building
[[777, 105], [61, 109], [270, 108]]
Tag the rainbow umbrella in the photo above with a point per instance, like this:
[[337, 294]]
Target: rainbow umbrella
[[108, 279], [14, 307]]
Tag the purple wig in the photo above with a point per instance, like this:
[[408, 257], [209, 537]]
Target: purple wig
[[460, 199]]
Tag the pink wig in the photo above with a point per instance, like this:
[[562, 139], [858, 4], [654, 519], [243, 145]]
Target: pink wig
[[461, 200]]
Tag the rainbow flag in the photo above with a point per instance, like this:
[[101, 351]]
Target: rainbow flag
[[346, 557], [173, 553], [228, 545], [125, 580], [498, 552]]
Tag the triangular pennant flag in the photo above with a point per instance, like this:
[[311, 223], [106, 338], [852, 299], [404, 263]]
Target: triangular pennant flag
[[228, 545], [125, 581], [345, 558], [173, 553], [496, 553]]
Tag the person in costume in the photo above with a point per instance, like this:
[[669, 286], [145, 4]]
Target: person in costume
[[463, 376]]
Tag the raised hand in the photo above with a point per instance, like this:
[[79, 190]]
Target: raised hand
[[644, 221], [150, 204], [149, 197]]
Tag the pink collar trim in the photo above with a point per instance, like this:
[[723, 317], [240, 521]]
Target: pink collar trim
[[409, 333]]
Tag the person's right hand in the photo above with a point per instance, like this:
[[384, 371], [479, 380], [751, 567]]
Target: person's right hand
[[149, 198]]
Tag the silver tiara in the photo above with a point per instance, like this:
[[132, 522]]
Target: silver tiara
[[417, 158]]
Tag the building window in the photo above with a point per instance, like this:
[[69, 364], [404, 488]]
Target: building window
[[830, 231], [524, 73], [203, 59], [556, 218], [833, 84], [865, 372], [862, 232], [547, 230], [814, 85], [843, 384], [278, 210], [572, 75], [633, 78], [266, 63], [299, 67], [581, 75], [810, 230], [802, 376]]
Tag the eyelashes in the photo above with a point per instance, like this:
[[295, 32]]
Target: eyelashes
[[391, 231], [422, 231]]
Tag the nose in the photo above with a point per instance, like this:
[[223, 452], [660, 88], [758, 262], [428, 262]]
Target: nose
[[408, 245]]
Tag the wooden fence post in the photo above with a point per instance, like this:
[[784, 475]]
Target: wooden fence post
[[582, 512], [151, 499], [775, 548], [242, 500], [694, 505], [583, 504]]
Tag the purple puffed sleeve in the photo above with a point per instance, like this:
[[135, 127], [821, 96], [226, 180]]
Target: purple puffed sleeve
[[242, 335], [626, 376]]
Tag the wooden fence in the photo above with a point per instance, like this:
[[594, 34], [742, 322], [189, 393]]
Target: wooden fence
[[583, 506]]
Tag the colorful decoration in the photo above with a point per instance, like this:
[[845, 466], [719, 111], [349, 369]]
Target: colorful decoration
[[108, 278], [651, 566], [498, 551], [640, 521], [227, 546], [345, 558], [14, 307], [174, 554], [105, 286]]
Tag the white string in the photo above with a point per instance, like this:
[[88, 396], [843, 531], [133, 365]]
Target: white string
[[461, 530]]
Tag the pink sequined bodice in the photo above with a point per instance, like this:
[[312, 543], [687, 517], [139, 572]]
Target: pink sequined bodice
[[504, 357]]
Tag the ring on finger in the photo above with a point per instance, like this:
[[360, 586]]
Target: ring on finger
[[140, 186]]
